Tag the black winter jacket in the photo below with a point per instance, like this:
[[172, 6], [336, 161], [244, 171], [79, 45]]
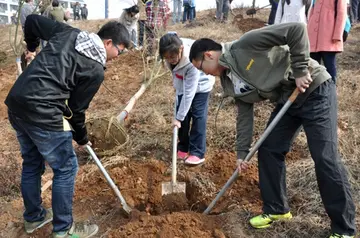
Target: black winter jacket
[[59, 83]]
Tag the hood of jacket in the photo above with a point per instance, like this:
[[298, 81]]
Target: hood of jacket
[[91, 46]]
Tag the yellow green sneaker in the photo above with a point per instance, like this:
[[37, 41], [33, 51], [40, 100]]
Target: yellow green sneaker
[[335, 235], [265, 220]]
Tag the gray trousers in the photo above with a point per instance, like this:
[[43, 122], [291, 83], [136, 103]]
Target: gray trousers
[[354, 10], [177, 8], [318, 115], [222, 9]]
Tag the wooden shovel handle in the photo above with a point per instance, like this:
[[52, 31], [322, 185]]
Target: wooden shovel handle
[[294, 95]]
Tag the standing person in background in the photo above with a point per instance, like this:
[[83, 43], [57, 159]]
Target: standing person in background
[[76, 11], [355, 6], [186, 14], [189, 10], [177, 8], [193, 8], [292, 11], [157, 15], [325, 28], [27, 9], [141, 22], [217, 7], [44, 7], [57, 13], [129, 18], [274, 5], [222, 11], [84, 12]]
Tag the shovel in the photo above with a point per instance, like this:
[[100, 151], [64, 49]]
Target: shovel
[[126, 207], [173, 186], [253, 150], [253, 11]]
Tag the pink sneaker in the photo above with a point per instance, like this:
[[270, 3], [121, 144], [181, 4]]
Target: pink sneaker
[[194, 160], [181, 155]]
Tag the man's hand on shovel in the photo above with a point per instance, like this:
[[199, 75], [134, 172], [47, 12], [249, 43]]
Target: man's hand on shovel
[[241, 164], [83, 147], [303, 82]]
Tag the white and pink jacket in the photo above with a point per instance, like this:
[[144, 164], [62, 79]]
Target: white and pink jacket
[[188, 80]]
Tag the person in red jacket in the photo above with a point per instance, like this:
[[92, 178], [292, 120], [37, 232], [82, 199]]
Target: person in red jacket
[[326, 27]]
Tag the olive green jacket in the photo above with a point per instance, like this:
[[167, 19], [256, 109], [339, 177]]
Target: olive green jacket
[[268, 60]]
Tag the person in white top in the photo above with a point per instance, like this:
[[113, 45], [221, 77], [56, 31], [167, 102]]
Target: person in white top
[[129, 18], [193, 89], [292, 11]]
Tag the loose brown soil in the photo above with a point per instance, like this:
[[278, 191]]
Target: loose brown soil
[[247, 24]]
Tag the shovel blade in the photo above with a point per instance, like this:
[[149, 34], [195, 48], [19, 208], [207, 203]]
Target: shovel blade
[[127, 209], [169, 188]]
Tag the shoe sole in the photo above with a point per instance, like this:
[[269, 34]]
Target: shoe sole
[[194, 163], [94, 233], [268, 225], [38, 227], [262, 227]]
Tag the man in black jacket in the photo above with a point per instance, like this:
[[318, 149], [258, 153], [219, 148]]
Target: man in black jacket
[[47, 106]]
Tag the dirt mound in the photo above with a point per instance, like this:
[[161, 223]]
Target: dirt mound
[[8, 76], [247, 24], [244, 191], [175, 202], [107, 135], [172, 225], [122, 80]]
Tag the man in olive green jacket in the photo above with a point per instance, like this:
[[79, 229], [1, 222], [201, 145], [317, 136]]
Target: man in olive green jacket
[[269, 63]]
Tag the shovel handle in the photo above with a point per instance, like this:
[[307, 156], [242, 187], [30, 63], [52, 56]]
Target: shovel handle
[[174, 155], [108, 178], [124, 113], [294, 95], [253, 150]]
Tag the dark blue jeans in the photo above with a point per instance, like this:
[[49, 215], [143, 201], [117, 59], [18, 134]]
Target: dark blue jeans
[[272, 15], [192, 138], [188, 13], [354, 10], [329, 59], [55, 147]]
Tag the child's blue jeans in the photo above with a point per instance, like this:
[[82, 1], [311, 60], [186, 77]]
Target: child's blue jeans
[[329, 59], [55, 147], [192, 134]]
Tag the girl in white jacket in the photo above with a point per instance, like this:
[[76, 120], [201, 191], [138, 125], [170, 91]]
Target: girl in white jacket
[[129, 18], [292, 11], [192, 96]]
